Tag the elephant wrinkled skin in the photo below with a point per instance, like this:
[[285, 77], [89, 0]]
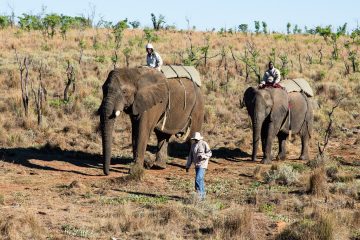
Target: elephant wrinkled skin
[[154, 103], [269, 112]]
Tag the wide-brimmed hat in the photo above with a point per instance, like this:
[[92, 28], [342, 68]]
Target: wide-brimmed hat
[[197, 136]]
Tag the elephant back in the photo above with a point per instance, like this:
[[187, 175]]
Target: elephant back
[[176, 71]]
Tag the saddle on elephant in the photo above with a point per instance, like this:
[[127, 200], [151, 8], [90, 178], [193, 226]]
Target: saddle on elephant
[[179, 72]]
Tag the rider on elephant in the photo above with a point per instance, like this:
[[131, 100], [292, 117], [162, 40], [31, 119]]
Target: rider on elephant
[[153, 58], [271, 77]]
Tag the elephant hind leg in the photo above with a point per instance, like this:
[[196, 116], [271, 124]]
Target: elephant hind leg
[[162, 149], [282, 146], [305, 138]]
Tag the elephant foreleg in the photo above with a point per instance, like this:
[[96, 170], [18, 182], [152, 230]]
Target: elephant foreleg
[[282, 145], [271, 132], [134, 134]]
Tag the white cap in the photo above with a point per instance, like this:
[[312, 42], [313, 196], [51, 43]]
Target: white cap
[[149, 45], [197, 136]]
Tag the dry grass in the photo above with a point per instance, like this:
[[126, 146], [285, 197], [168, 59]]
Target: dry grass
[[318, 183], [99, 209], [320, 226], [235, 224], [21, 225]]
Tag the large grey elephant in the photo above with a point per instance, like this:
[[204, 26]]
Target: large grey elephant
[[154, 103], [269, 112]]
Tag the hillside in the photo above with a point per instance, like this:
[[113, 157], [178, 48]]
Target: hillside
[[51, 180]]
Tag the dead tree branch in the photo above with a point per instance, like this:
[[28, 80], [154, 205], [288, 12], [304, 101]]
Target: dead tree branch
[[70, 73], [329, 130], [23, 65]]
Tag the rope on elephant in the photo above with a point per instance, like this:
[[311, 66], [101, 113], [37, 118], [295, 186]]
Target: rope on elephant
[[182, 84]]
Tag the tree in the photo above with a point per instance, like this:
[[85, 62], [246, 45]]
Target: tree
[[257, 27], [118, 31], [243, 28], [296, 30], [134, 24], [288, 26], [30, 22], [50, 23], [4, 22], [341, 30], [158, 22], [264, 25], [150, 36], [66, 23]]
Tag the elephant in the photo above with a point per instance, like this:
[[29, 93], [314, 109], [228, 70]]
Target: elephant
[[154, 104], [269, 110]]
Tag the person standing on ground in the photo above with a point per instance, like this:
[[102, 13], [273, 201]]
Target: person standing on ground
[[199, 155], [153, 59]]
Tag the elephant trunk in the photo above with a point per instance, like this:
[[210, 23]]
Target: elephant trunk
[[257, 122], [107, 120]]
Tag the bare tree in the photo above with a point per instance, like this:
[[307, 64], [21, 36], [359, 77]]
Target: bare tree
[[328, 131], [70, 73], [237, 66], [23, 65], [39, 95]]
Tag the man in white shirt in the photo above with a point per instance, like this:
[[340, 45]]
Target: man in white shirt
[[199, 155], [271, 76], [153, 59]]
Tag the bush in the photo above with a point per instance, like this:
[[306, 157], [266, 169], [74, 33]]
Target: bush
[[283, 174], [321, 227]]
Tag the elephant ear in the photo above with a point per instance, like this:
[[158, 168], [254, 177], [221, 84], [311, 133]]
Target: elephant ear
[[280, 103], [152, 89]]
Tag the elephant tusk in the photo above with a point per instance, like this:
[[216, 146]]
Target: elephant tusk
[[117, 113]]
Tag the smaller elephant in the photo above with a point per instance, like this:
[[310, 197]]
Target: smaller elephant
[[274, 112]]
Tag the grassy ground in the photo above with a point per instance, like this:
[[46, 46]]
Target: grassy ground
[[51, 183]]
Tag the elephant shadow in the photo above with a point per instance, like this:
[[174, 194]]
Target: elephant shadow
[[234, 155], [23, 157], [181, 150]]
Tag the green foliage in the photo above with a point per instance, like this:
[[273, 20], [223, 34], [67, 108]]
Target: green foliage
[[288, 26], [150, 35], [257, 27], [4, 21], [76, 232], [341, 30], [284, 70], [267, 208], [118, 31], [244, 28], [134, 24], [296, 30], [66, 22], [30, 22], [283, 174], [158, 22], [325, 32], [264, 25], [50, 23]]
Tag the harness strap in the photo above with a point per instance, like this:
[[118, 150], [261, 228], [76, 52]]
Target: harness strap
[[182, 84]]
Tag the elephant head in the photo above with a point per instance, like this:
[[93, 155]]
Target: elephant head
[[258, 104], [132, 91]]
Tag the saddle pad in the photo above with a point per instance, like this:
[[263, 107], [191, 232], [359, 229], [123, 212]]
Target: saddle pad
[[297, 85], [175, 71]]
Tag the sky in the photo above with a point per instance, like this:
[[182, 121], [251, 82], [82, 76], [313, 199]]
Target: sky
[[204, 15]]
